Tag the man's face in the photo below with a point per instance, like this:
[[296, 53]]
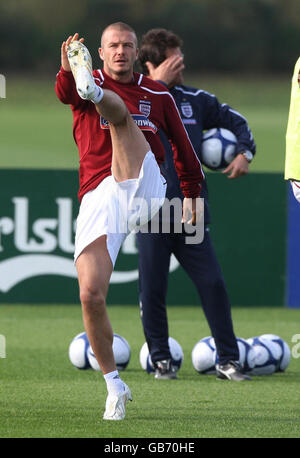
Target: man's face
[[118, 52], [175, 52]]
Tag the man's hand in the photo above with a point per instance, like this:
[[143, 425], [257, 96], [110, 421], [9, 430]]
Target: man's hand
[[238, 167], [64, 47], [167, 71], [192, 210]]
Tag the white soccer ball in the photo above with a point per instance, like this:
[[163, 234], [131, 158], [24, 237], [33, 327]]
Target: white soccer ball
[[284, 352], [145, 359], [246, 355], [92, 359], [267, 355], [121, 351], [203, 356], [176, 356], [78, 351], [219, 148]]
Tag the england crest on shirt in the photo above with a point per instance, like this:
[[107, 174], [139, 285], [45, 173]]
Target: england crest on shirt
[[145, 107], [186, 109]]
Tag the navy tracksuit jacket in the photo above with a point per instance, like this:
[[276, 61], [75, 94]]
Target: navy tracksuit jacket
[[199, 111]]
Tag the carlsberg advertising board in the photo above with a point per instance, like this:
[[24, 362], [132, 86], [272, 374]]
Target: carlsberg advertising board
[[38, 211]]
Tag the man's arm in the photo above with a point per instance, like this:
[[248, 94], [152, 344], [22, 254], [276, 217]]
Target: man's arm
[[217, 115], [167, 71], [222, 115], [292, 147], [187, 164]]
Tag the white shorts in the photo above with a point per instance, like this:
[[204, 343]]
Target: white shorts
[[115, 209], [296, 189]]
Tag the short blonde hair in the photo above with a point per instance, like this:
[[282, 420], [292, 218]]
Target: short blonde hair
[[119, 26]]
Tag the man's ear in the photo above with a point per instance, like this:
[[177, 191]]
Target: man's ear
[[137, 54], [100, 51]]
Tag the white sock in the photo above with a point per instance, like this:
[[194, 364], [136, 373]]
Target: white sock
[[113, 382], [98, 95]]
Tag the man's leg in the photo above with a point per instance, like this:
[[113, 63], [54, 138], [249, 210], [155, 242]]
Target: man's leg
[[154, 261], [129, 145], [200, 263], [94, 269]]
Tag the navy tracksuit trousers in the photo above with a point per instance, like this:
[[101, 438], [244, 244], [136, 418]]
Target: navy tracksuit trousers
[[200, 263]]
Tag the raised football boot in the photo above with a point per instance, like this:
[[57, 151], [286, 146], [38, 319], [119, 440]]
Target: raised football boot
[[81, 66]]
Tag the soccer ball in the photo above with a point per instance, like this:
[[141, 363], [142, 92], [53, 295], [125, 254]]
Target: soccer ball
[[145, 359], [284, 349], [176, 355], [246, 355], [78, 351], [219, 148], [121, 351], [203, 357], [267, 355]]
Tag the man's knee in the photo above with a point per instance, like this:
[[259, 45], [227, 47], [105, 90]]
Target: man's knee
[[92, 299]]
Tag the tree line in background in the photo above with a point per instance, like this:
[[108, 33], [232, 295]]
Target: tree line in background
[[244, 36]]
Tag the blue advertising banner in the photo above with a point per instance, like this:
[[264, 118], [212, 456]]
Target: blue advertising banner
[[293, 252]]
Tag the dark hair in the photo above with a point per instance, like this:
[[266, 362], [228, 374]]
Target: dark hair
[[154, 45]]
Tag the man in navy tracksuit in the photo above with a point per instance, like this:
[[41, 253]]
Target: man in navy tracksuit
[[161, 59]]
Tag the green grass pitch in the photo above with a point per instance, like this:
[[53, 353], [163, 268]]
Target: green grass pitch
[[43, 395]]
